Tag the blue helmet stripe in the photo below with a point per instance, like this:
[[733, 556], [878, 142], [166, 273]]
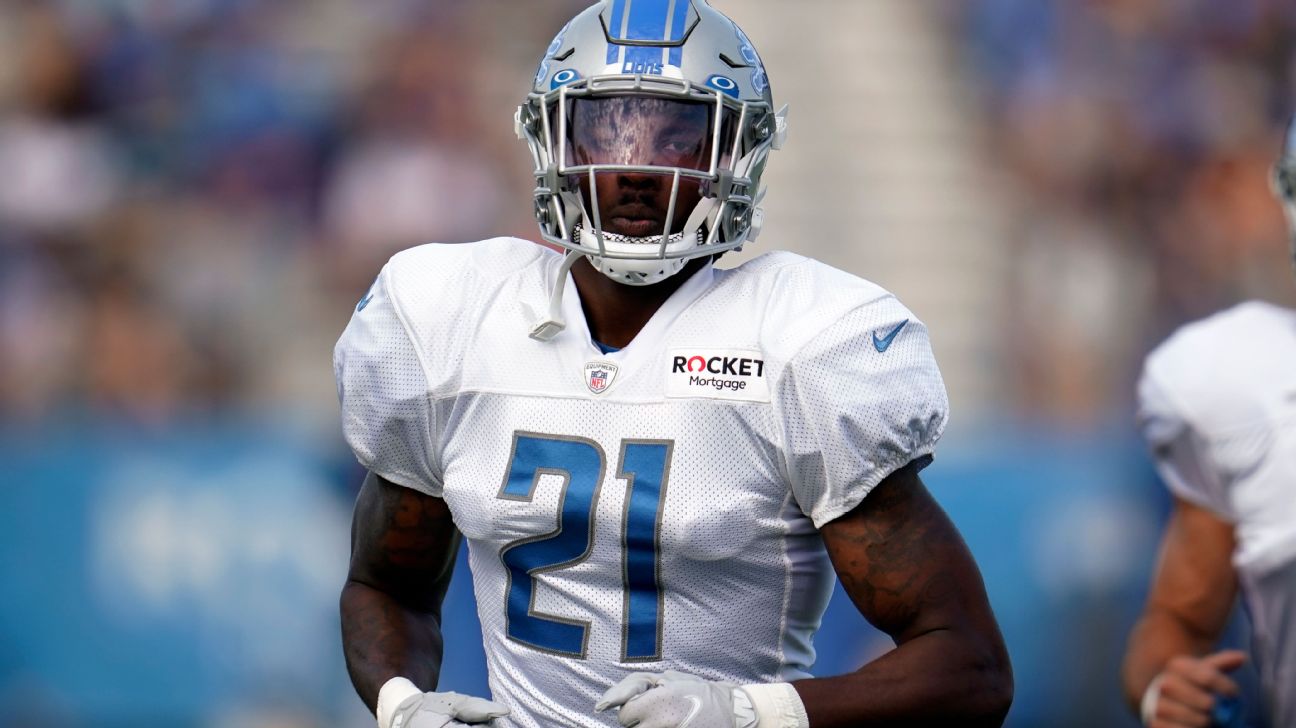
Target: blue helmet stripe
[[680, 10], [616, 20], [647, 20]]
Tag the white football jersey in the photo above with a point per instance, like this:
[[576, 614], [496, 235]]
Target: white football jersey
[[649, 509], [1218, 408]]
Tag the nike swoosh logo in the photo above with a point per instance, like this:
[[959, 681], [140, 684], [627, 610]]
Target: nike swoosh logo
[[884, 343], [364, 302], [697, 708]]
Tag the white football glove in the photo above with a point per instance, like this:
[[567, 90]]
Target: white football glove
[[432, 710], [676, 700]]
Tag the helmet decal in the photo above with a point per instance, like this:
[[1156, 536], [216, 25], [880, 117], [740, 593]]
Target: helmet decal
[[552, 51], [556, 45], [565, 76], [723, 84], [759, 80], [664, 23], [748, 50]]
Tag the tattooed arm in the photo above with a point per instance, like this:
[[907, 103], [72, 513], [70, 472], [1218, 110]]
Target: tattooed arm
[[909, 573], [403, 546]]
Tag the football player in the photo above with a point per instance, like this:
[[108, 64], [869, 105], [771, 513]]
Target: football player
[[658, 466], [1218, 409]]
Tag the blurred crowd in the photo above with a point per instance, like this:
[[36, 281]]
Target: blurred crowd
[[194, 193], [1137, 138]]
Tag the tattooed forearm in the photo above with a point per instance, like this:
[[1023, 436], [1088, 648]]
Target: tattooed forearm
[[402, 553], [908, 571], [898, 557], [402, 542]]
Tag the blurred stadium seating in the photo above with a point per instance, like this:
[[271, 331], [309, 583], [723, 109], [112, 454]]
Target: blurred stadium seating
[[196, 192]]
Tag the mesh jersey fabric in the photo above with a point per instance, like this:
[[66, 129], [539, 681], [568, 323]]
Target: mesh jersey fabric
[[1217, 411], [651, 508]]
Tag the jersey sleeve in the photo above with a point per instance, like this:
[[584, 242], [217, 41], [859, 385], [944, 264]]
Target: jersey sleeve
[[1179, 451], [857, 402], [384, 392]]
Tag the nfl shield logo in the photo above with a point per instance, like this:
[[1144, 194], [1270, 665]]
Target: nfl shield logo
[[599, 375]]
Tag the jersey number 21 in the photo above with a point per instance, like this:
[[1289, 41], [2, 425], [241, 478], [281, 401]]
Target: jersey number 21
[[645, 465]]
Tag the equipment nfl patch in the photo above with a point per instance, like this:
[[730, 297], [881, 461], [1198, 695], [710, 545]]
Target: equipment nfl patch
[[599, 375]]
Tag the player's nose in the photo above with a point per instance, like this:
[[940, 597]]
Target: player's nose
[[639, 182]]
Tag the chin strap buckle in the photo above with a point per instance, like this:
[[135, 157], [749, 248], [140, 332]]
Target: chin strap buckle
[[757, 224], [547, 329], [550, 327], [519, 126], [780, 128]]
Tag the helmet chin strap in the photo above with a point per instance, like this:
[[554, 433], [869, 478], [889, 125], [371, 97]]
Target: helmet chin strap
[[553, 324], [701, 213]]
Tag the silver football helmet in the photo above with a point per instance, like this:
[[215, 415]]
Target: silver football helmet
[[672, 93], [1284, 182]]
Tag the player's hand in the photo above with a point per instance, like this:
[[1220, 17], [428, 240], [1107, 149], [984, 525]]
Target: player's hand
[[439, 710], [676, 700], [1187, 690]]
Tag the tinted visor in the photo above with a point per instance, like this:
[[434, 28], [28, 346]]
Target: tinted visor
[[641, 131]]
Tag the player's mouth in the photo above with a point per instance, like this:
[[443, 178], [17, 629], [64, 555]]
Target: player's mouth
[[635, 221], [635, 228]]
